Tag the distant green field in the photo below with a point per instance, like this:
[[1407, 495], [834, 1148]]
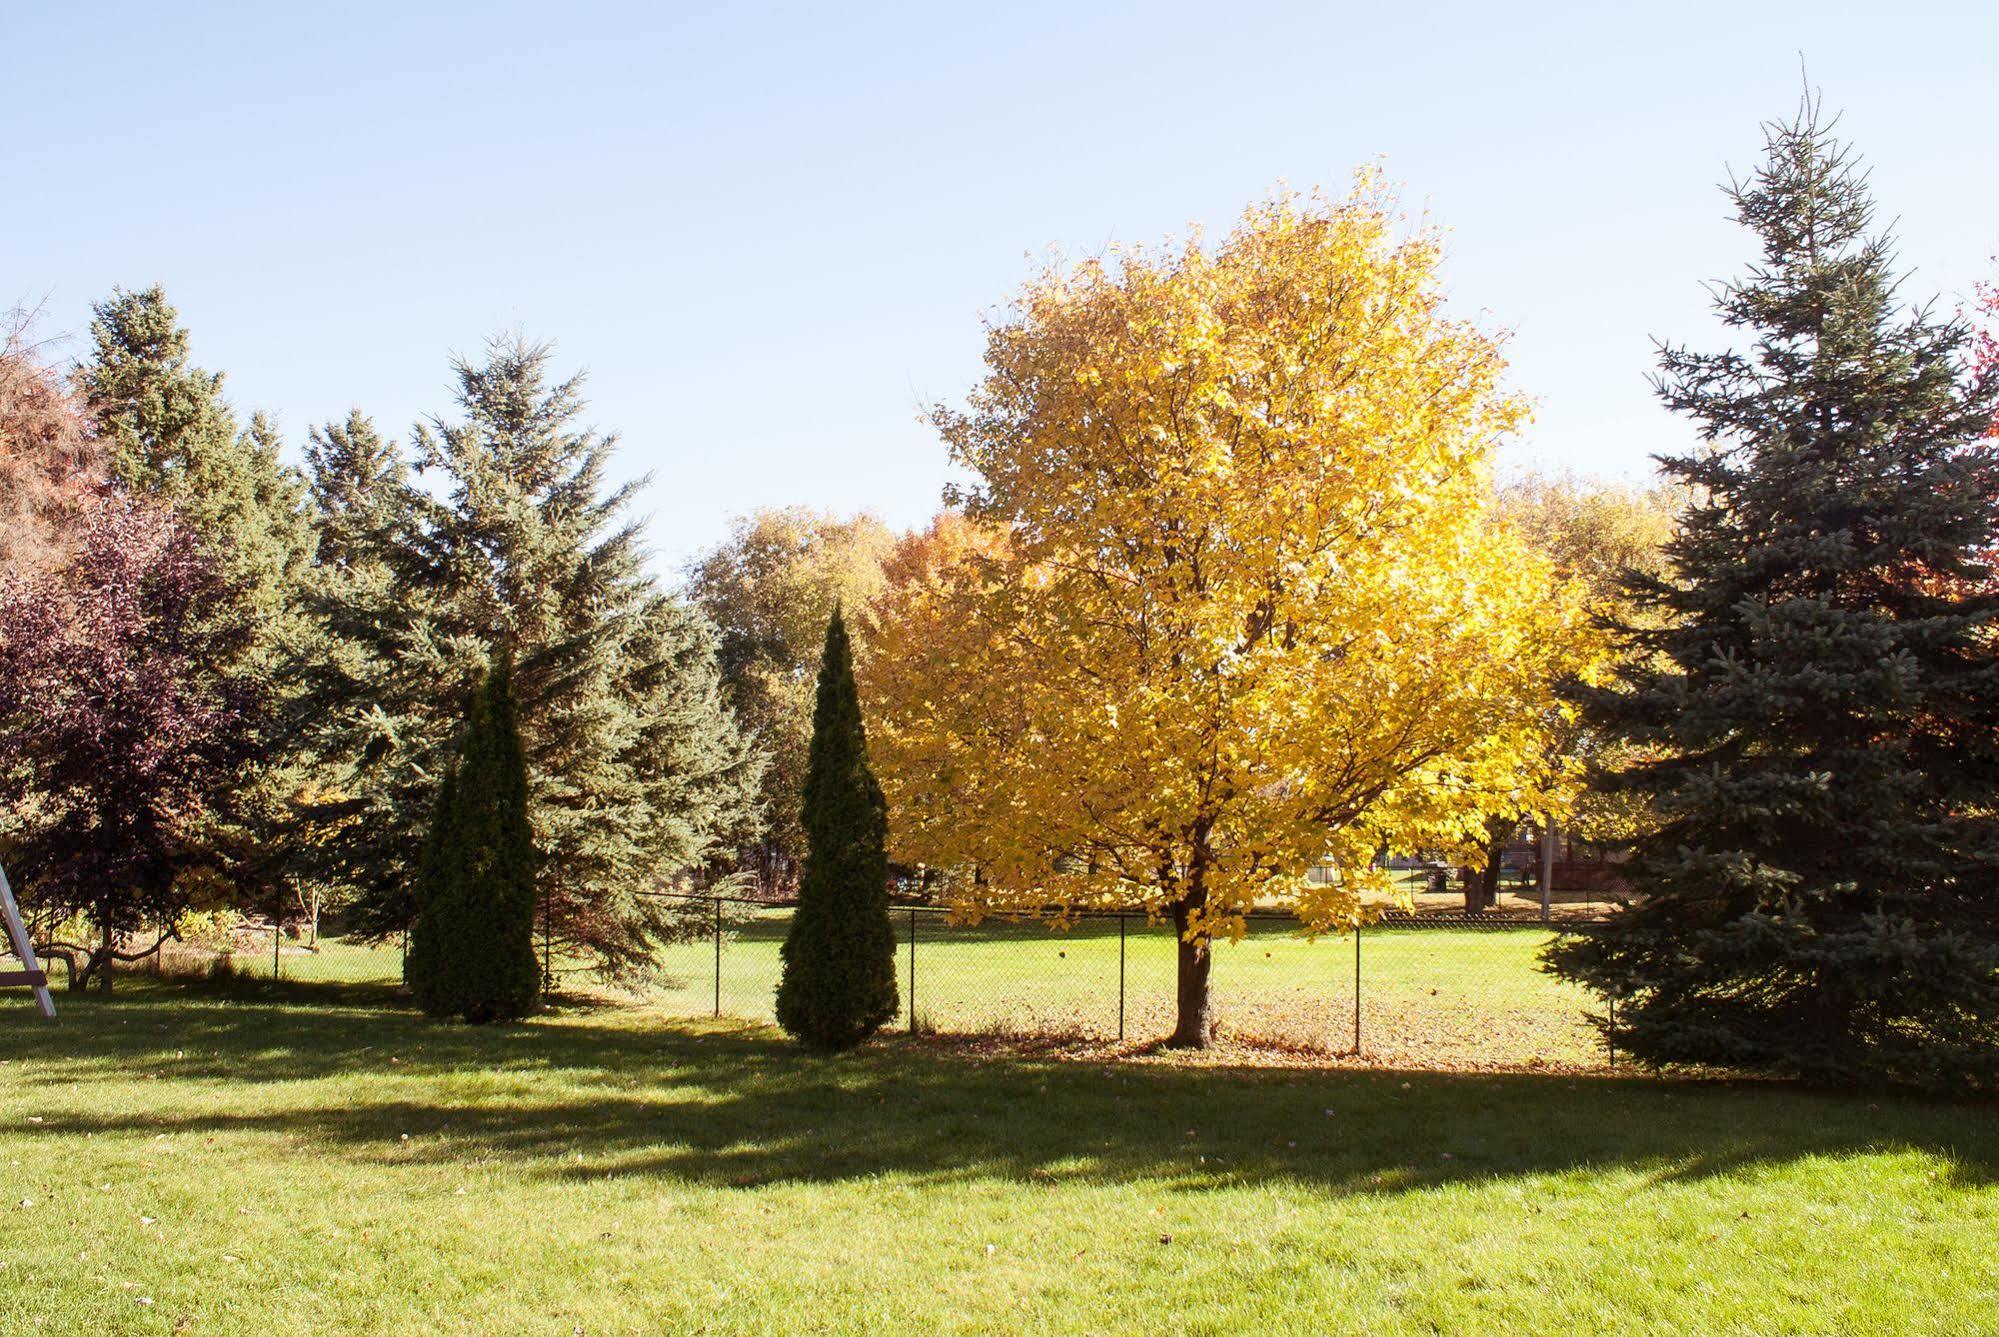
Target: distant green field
[[1430, 997]]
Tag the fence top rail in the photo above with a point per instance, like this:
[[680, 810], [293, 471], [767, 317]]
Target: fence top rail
[[1392, 919]]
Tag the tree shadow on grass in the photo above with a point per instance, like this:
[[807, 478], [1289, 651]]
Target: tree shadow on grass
[[243, 1026], [621, 1092]]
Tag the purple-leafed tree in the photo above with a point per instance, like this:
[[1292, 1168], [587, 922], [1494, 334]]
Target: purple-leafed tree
[[121, 734]]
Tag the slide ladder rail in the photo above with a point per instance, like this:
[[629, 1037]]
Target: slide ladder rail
[[32, 973]]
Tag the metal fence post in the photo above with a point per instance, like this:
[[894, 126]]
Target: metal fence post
[[1610, 1036], [1547, 867], [912, 970], [718, 956], [1120, 975], [1356, 989]]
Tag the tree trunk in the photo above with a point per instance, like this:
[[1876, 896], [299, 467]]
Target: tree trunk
[[1195, 1026], [103, 964], [1482, 892], [79, 975], [309, 908]]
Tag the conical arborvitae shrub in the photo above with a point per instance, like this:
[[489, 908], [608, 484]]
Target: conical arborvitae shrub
[[472, 947], [838, 984], [420, 958]]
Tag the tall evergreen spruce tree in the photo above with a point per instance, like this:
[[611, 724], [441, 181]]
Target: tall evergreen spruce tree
[[472, 948], [172, 438], [377, 728], [838, 983], [636, 771], [1817, 691], [170, 435]]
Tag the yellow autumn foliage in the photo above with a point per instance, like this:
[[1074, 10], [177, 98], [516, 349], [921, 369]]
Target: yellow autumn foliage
[[1229, 602]]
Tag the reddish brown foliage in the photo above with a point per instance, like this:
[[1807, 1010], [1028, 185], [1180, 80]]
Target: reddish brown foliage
[[122, 733], [50, 461], [1985, 355]]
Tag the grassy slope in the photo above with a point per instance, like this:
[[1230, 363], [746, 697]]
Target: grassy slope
[[324, 1160]]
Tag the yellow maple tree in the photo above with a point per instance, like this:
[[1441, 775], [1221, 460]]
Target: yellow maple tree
[[1228, 604]]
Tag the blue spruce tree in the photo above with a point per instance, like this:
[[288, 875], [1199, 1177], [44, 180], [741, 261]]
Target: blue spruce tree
[[1814, 684]]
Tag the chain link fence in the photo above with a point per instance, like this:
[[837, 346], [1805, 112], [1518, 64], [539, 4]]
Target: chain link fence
[[1410, 991], [1578, 892], [1414, 991], [252, 949]]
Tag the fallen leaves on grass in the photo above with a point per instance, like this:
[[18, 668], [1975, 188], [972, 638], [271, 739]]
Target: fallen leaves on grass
[[1230, 1051]]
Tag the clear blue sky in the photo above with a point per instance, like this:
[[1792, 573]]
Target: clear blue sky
[[769, 233]]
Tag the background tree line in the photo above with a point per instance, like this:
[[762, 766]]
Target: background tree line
[[237, 683], [232, 682]]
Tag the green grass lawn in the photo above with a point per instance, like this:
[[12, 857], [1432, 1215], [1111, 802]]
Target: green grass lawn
[[319, 1159], [1464, 997]]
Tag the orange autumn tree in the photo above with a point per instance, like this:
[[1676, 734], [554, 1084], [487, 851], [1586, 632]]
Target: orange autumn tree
[[1227, 602]]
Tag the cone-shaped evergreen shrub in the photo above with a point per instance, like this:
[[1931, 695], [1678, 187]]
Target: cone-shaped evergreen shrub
[[472, 947], [419, 961], [838, 983]]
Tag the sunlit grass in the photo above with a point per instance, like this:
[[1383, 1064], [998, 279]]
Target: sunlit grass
[[320, 1159], [1433, 996], [1442, 997]]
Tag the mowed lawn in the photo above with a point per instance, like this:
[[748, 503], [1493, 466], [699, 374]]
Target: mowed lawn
[[320, 1159], [1463, 997]]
